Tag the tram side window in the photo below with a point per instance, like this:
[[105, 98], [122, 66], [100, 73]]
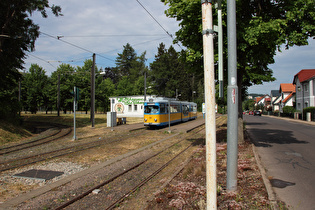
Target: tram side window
[[175, 108], [162, 108]]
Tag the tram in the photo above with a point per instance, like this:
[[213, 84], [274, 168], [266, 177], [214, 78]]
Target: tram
[[156, 111]]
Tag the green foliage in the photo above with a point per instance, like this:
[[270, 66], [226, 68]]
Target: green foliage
[[17, 36], [262, 27], [288, 109], [36, 87], [169, 75], [309, 109], [249, 105]]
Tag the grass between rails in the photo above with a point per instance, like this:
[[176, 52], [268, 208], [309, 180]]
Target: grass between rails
[[10, 132]]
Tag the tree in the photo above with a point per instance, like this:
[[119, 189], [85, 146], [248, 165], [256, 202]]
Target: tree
[[168, 74], [129, 64], [104, 90], [36, 83], [17, 36], [262, 28], [66, 74]]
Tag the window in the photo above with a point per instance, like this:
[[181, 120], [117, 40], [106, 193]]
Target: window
[[162, 108], [151, 109], [129, 108], [305, 88], [135, 108]]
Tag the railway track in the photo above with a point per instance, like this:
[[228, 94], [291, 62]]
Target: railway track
[[147, 169], [32, 159], [57, 134]]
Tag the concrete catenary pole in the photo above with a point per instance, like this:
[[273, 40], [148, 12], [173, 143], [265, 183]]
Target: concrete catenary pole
[[93, 92], [220, 51], [232, 99], [208, 55], [74, 112]]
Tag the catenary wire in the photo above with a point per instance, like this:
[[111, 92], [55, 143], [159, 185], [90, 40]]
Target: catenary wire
[[157, 22]]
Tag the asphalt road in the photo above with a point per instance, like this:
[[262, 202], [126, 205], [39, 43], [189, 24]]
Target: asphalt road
[[287, 151]]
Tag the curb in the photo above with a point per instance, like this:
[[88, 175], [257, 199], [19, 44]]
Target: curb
[[272, 197]]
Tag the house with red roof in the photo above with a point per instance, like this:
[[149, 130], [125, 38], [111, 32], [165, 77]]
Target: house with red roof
[[263, 101], [287, 94], [275, 100], [305, 88]]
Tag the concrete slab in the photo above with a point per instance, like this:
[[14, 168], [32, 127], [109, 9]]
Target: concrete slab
[[39, 174]]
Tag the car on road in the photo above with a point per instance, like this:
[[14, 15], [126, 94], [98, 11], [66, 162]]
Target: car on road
[[257, 113], [251, 113]]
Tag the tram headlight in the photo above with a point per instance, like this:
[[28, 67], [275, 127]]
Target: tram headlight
[[155, 120], [145, 119]]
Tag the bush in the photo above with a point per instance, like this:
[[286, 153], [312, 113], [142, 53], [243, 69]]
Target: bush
[[288, 111]]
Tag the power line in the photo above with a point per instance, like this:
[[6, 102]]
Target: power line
[[42, 60], [109, 35], [157, 22], [84, 49]]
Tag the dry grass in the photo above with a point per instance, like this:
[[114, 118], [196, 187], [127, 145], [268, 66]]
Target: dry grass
[[14, 133]]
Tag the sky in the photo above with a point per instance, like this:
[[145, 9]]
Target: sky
[[105, 26], [102, 27]]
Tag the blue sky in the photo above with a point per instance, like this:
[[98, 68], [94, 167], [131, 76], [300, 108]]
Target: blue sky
[[287, 64], [105, 26], [102, 27]]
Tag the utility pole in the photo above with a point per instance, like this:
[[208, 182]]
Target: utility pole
[[232, 99], [220, 51], [58, 96], [93, 92], [208, 55], [145, 86], [74, 111]]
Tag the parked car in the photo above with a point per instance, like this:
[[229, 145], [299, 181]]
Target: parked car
[[251, 113], [257, 113]]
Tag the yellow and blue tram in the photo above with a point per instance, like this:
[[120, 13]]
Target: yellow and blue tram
[[156, 111]]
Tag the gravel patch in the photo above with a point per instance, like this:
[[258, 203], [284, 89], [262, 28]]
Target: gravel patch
[[18, 184]]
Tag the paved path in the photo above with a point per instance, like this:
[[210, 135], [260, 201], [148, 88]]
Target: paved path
[[286, 149]]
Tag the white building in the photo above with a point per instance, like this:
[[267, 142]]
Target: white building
[[128, 106]]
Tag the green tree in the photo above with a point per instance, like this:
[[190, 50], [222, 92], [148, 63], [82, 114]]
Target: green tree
[[129, 64], [83, 81], [17, 36], [168, 74], [124, 87], [104, 90], [262, 28], [66, 74], [36, 83], [249, 104]]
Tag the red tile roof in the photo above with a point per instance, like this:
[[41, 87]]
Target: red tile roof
[[287, 87], [258, 98], [305, 74], [288, 97]]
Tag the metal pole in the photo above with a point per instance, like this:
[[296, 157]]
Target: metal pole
[[145, 86], [169, 115], [74, 112], [208, 55], [93, 92], [232, 99], [58, 97], [220, 52]]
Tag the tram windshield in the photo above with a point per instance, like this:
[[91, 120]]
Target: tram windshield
[[150, 109]]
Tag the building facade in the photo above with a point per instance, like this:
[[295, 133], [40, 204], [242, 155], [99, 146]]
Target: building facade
[[128, 106], [305, 88]]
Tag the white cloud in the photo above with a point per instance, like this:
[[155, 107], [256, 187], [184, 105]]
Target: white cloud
[[84, 23], [287, 64]]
